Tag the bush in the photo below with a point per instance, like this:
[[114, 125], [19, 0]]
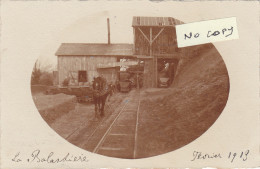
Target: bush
[[46, 78], [66, 82]]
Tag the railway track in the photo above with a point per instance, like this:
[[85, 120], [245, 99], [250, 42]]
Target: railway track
[[115, 134], [86, 129], [120, 136]]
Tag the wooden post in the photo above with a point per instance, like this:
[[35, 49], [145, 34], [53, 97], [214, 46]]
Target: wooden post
[[153, 63], [156, 72], [137, 77], [150, 42], [134, 41]]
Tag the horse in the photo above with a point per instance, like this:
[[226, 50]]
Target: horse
[[101, 91]]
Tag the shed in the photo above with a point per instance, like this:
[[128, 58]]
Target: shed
[[155, 40], [79, 61]]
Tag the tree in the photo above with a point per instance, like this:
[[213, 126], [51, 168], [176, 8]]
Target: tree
[[42, 74], [36, 73], [46, 78]]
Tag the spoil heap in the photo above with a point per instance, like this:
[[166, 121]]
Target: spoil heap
[[171, 118]]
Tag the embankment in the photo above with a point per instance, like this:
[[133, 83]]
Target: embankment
[[52, 107], [174, 117]]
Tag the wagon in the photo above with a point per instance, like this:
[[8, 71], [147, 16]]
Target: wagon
[[125, 86], [83, 93], [164, 82], [124, 82]]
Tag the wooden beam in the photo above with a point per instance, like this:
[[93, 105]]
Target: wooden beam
[[151, 39], [155, 57], [144, 35], [156, 71], [157, 35], [151, 51], [134, 41], [143, 57], [159, 56], [168, 56]]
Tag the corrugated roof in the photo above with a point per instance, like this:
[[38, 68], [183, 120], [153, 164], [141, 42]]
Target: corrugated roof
[[94, 49], [154, 21]]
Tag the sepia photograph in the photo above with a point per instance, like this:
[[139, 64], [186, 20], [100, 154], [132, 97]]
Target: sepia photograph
[[129, 84], [131, 100]]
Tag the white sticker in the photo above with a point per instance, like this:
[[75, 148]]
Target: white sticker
[[206, 31]]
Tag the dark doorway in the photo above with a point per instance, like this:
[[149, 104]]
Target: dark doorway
[[83, 76]]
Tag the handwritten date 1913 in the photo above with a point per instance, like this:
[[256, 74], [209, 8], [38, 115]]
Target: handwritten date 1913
[[232, 156], [242, 155]]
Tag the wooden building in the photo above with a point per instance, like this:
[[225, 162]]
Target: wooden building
[[81, 62], [155, 41]]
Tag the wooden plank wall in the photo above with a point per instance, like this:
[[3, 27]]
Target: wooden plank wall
[[70, 65], [166, 43], [110, 74]]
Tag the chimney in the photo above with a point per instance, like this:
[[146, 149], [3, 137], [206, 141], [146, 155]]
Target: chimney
[[108, 31]]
